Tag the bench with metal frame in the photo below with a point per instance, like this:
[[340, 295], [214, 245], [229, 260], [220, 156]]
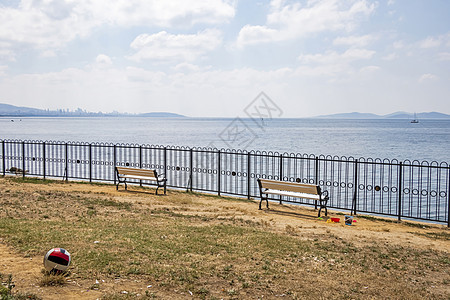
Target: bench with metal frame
[[292, 189], [124, 173]]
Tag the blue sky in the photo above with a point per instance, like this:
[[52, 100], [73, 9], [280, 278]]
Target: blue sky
[[213, 57]]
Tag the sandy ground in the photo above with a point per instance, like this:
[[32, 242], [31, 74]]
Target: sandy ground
[[27, 271]]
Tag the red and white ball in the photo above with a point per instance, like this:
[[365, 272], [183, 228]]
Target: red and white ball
[[57, 259]]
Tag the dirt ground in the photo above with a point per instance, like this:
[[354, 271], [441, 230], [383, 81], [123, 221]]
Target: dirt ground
[[27, 271]]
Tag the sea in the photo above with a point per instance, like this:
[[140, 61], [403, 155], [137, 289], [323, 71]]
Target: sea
[[393, 139]]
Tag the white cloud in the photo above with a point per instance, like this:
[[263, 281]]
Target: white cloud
[[173, 47], [186, 67], [257, 34], [332, 57], [428, 77], [103, 59], [51, 24], [354, 41], [333, 64], [291, 21], [435, 41], [370, 69], [6, 52], [430, 42]]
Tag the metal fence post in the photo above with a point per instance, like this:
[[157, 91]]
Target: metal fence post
[[23, 159], [219, 173], [400, 187], [114, 162], [43, 159], [281, 173], [90, 162], [67, 162], [355, 191], [140, 157], [165, 166], [248, 175], [3, 158], [448, 199], [316, 176], [140, 162], [191, 166]]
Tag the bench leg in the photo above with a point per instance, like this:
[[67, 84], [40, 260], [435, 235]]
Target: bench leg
[[267, 202], [119, 182], [163, 185], [323, 204]]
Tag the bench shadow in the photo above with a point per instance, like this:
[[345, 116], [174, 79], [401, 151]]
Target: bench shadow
[[292, 213], [149, 192]]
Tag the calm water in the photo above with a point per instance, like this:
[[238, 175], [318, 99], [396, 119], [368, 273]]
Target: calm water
[[393, 139]]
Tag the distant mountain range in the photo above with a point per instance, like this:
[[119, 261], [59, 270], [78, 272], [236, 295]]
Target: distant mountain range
[[396, 115], [7, 110]]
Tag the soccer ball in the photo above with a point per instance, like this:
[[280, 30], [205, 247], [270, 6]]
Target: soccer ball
[[57, 260]]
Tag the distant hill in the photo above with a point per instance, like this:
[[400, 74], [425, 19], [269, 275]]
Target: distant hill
[[8, 110], [161, 115], [433, 115], [396, 115], [423, 115], [352, 115]]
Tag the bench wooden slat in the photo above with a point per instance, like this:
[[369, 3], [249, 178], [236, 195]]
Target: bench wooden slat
[[139, 177], [143, 174], [292, 189], [292, 194], [133, 171], [290, 186]]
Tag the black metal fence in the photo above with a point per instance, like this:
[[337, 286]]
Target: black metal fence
[[402, 189]]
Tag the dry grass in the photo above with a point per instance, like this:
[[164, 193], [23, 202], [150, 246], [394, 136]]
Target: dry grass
[[208, 247]]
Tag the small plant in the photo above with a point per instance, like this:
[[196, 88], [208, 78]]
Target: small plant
[[53, 278], [6, 287]]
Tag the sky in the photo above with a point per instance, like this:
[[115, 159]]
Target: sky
[[213, 58]]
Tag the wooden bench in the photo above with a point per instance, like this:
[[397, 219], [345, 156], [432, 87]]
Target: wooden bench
[[139, 174], [292, 189]]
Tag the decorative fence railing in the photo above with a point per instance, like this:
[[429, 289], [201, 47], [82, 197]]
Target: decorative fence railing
[[402, 189]]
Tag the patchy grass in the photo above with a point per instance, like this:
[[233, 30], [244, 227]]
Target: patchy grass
[[445, 236], [6, 290], [179, 243]]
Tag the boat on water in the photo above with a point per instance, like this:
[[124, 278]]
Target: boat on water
[[415, 120]]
